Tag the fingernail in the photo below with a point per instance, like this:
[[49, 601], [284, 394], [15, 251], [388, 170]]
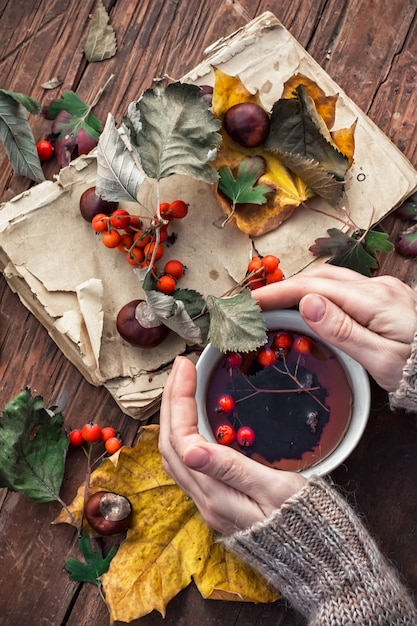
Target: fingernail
[[196, 458], [313, 308]]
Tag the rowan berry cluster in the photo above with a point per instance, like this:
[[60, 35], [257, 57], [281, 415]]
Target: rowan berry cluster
[[143, 243], [263, 270], [92, 433]]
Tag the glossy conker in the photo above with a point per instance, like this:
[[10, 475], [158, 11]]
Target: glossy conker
[[91, 204], [139, 326], [247, 123], [108, 513]]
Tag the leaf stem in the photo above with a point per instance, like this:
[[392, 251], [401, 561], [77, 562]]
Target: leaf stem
[[346, 222], [101, 90], [70, 514]]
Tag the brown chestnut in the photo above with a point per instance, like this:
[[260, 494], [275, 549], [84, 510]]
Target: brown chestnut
[[247, 123], [139, 326], [108, 513], [91, 204], [207, 93]]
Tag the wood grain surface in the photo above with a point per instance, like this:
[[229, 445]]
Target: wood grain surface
[[369, 48]]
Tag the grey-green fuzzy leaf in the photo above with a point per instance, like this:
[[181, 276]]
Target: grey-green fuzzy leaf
[[118, 175], [177, 134], [16, 135]]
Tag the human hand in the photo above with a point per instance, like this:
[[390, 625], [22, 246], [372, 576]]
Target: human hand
[[371, 319], [231, 491]]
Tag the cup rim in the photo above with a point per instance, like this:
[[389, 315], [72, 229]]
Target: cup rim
[[289, 319]]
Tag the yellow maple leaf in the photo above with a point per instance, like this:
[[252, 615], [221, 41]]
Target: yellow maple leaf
[[168, 543]]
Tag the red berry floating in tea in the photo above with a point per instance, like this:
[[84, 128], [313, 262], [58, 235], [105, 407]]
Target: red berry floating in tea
[[266, 357], [303, 345], [225, 434], [234, 360], [283, 341], [225, 404], [245, 436]]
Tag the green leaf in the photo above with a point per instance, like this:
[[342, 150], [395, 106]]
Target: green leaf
[[30, 104], [236, 323], [16, 134], [243, 188], [75, 127], [375, 241], [300, 139], [101, 38], [94, 566], [407, 242], [357, 252], [33, 448], [72, 104], [408, 209], [174, 132]]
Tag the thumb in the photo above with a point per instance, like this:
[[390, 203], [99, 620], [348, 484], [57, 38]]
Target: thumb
[[335, 326]]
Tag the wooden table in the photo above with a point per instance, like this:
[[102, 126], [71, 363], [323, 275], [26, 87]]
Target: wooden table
[[369, 48]]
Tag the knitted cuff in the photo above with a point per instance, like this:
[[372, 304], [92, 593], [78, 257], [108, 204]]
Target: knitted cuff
[[406, 395], [317, 553]]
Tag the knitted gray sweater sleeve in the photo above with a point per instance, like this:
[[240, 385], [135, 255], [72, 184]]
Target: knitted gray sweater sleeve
[[406, 395], [318, 554]]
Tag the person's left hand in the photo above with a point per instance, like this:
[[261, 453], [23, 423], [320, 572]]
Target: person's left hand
[[231, 491]]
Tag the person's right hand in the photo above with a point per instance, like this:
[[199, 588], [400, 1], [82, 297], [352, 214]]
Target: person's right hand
[[371, 319]]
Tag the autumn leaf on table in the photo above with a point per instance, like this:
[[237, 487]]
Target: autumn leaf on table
[[16, 133], [118, 176], [301, 140], [286, 191], [357, 251], [75, 129], [168, 544], [101, 38], [325, 106], [33, 448], [173, 132], [182, 312], [233, 323]]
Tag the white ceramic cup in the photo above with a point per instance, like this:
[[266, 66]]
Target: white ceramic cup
[[356, 374]]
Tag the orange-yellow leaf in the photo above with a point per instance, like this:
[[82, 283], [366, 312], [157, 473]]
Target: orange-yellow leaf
[[325, 105], [168, 543], [345, 141], [228, 91], [288, 190]]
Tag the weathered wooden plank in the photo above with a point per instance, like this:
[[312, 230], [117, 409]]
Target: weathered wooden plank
[[369, 48]]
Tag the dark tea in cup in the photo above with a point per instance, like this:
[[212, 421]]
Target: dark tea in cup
[[287, 405]]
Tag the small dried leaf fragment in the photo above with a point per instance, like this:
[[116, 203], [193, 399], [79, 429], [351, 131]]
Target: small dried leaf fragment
[[52, 83], [101, 38]]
